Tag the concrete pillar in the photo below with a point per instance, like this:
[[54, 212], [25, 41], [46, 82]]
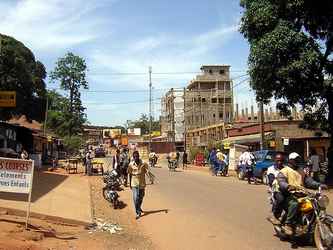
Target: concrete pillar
[[237, 114], [246, 113], [271, 115], [266, 115], [294, 113], [252, 113], [243, 114]]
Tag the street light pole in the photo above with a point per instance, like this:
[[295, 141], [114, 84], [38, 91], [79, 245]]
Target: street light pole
[[150, 104]]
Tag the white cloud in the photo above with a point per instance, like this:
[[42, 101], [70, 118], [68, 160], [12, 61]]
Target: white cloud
[[50, 27], [52, 24], [165, 53]]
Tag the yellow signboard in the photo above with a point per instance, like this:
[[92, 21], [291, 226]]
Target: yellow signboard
[[7, 99], [155, 133], [226, 145], [272, 144]]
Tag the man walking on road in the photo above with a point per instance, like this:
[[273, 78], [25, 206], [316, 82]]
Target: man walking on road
[[88, 162], [124, 162], [137, 170]]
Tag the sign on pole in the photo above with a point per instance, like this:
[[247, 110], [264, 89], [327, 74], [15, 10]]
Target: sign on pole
[[16, 176], [285, 141], [7, 99]]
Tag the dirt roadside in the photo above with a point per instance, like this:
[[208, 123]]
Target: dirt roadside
[[57, 236]]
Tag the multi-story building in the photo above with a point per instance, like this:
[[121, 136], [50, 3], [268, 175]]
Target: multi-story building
[[172, 118], [209, 98]]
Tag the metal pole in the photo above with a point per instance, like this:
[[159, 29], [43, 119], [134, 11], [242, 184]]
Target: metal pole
[[173, 122], [224, 116], [46, 111], [262, 123], [150, 100], [217, 113], [184, 119]]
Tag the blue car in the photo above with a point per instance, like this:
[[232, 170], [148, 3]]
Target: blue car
[[264, 159]]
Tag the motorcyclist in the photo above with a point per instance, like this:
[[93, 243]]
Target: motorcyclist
[[277, 197], [153, 158], [220, 161], [247, 162], [291, 178]]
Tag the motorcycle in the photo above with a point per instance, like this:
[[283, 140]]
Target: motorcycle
[[152, 161], [314, 223], [172, 165], [112, 185]]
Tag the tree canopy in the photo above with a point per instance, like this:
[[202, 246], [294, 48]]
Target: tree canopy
[[70, 71], [21, 72], [143, 123], [291, 45]]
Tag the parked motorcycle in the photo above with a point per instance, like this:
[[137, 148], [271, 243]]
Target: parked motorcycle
[[112, 185], [314, 223]]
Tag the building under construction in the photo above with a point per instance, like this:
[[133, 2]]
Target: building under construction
[[209, 98], [172, 119]]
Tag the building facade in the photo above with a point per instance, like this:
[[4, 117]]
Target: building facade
[[209, 98], [281, 135], [172, 117]]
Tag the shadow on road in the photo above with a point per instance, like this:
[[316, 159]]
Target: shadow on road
[[121, 205], [43, 183], [145, 213]]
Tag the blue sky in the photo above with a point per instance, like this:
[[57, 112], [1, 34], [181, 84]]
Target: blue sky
[[127, 36]]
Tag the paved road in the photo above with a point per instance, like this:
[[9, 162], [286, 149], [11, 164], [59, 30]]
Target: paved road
[[206, 212]]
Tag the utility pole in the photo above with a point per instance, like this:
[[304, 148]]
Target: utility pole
[[46, 111], [184, 122], [150, 103], [224, 116], [262, 124], [173, 122]]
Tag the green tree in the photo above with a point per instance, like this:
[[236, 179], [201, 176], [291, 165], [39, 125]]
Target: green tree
[[70, 71], [291, 45], [20, 72], [57, 108], [143, 123]]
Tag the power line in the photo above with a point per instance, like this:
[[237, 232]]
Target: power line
[[153, 73], [120, 91], [241, 82], [132, 102]]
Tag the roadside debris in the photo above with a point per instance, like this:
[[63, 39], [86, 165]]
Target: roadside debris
[[101, 225]]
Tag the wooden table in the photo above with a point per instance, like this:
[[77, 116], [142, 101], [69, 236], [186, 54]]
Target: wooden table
[[72, 164], [97, 167]]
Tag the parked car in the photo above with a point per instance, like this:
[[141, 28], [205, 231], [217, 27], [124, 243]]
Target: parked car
[[100, 152], [264, 159]]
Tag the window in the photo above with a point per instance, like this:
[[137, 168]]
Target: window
[[221, 72], [221, 115], [227, 85], [203, 99], [214, 100], [214, 115], [210, 71], [220, 100]]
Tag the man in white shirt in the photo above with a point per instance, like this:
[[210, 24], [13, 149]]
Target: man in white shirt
[[247, 161]]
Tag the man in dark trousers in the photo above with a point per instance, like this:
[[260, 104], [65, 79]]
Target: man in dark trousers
[[124, 162], [184, 160], [116, 162]]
